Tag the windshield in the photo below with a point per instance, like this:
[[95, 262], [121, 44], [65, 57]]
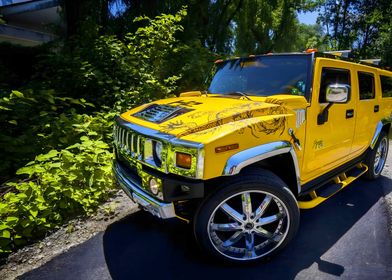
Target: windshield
[[262, 76]]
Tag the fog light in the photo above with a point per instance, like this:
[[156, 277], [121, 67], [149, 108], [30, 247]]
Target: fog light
[[154, 186]]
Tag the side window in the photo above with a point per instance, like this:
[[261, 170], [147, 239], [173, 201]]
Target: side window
[[386, 86], [332, 76], [366, 86]]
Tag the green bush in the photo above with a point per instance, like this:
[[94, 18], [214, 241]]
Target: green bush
[[34, 122], [23, 118], [118, 71], [59, 185]]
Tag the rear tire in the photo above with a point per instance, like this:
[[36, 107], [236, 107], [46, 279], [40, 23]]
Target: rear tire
[[376, 158], [250, 218]]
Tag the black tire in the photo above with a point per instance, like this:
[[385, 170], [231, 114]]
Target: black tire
[[259, 185], [375, 170]]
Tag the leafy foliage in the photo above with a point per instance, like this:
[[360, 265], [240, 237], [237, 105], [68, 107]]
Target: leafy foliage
[[360, 25], [37, 121], [121, 72], [60, 185]]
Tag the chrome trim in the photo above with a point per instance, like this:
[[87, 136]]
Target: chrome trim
[[247, 157], [300, 117], [376, 134], [296, 167], [157, 134], [133, 190], [170, 142]]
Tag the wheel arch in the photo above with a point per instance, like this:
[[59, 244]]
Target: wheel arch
[[271, 156], [383, 125]]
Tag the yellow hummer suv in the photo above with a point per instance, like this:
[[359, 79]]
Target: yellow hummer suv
[[272, 134]]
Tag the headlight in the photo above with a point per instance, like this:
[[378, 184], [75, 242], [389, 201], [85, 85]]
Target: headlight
[[157, 152]]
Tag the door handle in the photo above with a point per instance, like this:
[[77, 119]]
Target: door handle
[[349, 113], [376, 108]]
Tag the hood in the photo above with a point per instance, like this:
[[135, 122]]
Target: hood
[[186, 115]]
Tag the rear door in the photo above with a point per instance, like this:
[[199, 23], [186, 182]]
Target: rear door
[[367, 97]]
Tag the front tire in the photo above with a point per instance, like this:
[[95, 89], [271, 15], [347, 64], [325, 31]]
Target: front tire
[[377, 157], [248, 219]]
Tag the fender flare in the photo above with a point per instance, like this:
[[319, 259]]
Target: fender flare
[[379, 128], [252, 155]]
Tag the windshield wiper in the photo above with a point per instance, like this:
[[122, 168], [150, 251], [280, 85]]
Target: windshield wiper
[[239, 93]]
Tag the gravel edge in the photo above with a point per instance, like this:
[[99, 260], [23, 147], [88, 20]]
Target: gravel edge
[[73, 233]]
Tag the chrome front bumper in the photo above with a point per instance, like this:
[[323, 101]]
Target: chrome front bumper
[[134, 191]]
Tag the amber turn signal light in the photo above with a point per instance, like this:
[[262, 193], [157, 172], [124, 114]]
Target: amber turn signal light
[[226, 148], [311, 50], [183, 160]]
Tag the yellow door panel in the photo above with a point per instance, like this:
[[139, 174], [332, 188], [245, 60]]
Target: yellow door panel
[[367, 95], [328, 145]]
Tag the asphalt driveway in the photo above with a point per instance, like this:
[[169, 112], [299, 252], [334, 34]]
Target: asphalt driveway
[[346, 237]]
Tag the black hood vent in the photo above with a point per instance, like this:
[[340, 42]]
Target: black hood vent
[[160, 113]]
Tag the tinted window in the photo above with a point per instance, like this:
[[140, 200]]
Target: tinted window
[[262, 75], [366, 85], [331, 76], [386, 86]]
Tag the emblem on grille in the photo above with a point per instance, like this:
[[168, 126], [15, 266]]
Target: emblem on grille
[[160, 113]]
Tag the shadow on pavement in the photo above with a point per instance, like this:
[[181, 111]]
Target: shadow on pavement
[[141, 246]]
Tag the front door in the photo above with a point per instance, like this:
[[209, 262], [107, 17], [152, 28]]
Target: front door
[[328, 145]]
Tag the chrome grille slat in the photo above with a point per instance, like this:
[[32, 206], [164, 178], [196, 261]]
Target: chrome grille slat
[[123, 138], [131, 144], [127, 141]]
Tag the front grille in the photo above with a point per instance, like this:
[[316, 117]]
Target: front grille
[[128, 141]]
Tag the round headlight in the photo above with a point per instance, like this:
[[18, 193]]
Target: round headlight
[[154, 186], [158, 152]]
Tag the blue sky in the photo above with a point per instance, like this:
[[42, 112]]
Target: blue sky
[[307, 18]]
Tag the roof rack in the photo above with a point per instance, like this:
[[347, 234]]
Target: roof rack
[[343, 55], [375, 61]]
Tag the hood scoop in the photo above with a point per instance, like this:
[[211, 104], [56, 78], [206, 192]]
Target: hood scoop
[[159, 113]]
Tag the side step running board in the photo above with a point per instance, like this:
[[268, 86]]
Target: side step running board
[[339, 182]]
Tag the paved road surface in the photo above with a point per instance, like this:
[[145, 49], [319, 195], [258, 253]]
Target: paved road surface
[[346, 237]]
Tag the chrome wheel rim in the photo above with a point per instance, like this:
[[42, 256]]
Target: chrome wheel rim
[[381, 155], [248, 225]]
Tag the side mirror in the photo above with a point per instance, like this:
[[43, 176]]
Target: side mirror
[[337, 93]]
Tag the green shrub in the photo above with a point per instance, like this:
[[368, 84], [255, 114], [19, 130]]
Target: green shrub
[[36, 121], [59, 185], [119, 71]]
